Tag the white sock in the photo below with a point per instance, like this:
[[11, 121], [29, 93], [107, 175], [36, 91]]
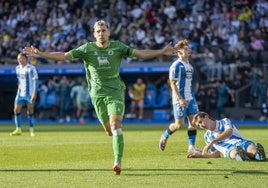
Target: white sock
[[117, 132]]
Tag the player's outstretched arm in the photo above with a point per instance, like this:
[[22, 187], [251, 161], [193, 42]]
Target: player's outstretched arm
[[149, 54], [215, 154], [58, 56]]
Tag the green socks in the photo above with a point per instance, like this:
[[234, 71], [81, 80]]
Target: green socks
[[118, 147]]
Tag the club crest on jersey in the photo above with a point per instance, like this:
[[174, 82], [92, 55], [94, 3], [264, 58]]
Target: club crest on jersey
[[110, 52], [189, 74]]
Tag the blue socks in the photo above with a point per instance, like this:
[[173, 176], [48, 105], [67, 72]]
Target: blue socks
[[17, 121], [167, 133], [30, 120]]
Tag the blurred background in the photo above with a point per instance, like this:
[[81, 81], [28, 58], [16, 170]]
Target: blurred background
[[228, 40]]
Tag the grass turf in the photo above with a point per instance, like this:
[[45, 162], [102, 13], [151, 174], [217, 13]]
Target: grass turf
[[81, 156]]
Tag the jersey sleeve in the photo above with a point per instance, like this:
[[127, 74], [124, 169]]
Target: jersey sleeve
[[228, 123], [174, 71], [126, 50], [78, 53]]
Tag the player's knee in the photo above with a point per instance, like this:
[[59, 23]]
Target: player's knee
[[30, 112], [115, 124], [16, 111], [178, 126]]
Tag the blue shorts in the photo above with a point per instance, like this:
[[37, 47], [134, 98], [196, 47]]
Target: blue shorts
[[244, 144], [23, 101], [183, 112]]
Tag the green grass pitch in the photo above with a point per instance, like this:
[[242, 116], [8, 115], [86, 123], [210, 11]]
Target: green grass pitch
[[81, 156]]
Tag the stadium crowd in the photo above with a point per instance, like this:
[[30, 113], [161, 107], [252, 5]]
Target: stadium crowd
[[229, 38]]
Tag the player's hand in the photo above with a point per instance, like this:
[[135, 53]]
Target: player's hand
[[205, 149], [169, 50], [190, 155], [33, 97], [183, 103], [194, 154], [32, 51]]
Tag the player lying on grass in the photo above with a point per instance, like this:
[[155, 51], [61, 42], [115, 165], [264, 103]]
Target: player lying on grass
[[222, 137]]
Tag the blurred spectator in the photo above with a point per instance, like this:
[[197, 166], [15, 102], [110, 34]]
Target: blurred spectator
[[209, 65], [234, 61], [256, 74], [214, 19], [159, 38], [222, 33], [140, 35], [121, 7], [233, 14], [52, 98], [170, 10], [41, 97], [236, 44], [136, 12], [207, 97], [201, 98], [262, 92], [151, 16], [137, 93], [224, 93], [62, 25], [79, 94], [151, 95], [245, 65], [65, 102], [163, 99], [245, 14], [221, 65], [238, 82], [256, 45]]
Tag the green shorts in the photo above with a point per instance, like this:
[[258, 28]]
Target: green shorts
[[108, 105]]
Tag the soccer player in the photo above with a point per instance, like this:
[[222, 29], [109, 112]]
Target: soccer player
[[136, 94], [222, 137], [80, 95], [26, 93], [102, 60], [183, 99]]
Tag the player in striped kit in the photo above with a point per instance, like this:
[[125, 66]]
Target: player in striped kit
[[26, 93], [183, 98], [223, 137]]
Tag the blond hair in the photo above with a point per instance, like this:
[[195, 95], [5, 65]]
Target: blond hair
[[100, 23], [181, 44]]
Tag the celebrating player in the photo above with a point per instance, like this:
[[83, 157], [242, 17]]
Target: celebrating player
[[26, 93], [102, 60]]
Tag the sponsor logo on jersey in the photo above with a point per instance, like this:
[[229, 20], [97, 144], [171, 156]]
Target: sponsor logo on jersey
[[103, 61]]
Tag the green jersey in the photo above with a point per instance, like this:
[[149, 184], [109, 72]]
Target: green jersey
[[103, 66]]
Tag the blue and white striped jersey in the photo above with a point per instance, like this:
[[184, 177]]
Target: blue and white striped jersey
[[182, 72], [225, 145], [27, 80]]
